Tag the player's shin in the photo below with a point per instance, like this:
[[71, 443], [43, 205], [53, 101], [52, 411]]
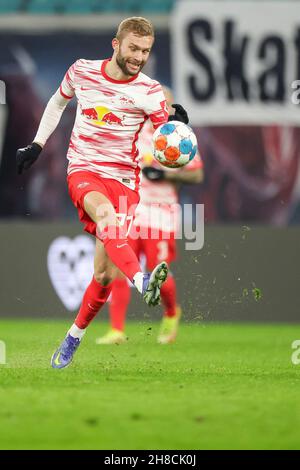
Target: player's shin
[[169, 326], [168, 295], [120, 297], [94, 298], [119, 302]]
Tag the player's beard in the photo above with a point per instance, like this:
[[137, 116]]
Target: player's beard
[[122, 63]]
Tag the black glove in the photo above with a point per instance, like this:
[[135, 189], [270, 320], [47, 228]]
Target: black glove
[[27, 156], [180, 114], [153, 174]]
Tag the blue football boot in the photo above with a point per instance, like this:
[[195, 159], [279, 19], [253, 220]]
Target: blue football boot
[[64, 354], [152, 283]]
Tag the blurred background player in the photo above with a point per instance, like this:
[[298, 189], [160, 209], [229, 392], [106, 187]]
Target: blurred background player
[[114, 100], [157, 212]]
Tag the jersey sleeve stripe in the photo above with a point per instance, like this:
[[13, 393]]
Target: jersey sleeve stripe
[[64, 95]]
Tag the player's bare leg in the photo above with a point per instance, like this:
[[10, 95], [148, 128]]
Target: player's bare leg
[[111, 251], [120, 252], [99, 288], [93, 300]]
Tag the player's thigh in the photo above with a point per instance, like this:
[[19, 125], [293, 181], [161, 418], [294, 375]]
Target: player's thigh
[[104, 269], [100, 209]]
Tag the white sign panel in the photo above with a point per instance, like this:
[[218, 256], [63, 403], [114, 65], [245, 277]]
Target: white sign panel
[[71, 266], [237, 62]]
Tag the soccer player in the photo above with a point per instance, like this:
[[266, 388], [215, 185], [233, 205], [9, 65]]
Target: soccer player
[[114, 99], [157, 212]]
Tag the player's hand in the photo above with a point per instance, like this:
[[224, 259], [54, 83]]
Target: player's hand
[[180, 114], [27, 156], [153, 174]]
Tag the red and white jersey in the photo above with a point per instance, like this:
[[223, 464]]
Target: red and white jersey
[[159, 205], [110, 115]]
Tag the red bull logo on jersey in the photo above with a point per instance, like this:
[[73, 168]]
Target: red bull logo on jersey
[[90, 113], [101, 116], [111, 118]]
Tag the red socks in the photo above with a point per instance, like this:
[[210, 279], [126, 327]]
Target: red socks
[[120, 297], [168, 295], [120, 252], [94, 298]]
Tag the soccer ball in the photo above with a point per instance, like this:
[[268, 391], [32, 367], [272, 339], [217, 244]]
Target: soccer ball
[[174, 144]]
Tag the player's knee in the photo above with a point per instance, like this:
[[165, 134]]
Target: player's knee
[[102, 224], [104, 278], [105, 217]]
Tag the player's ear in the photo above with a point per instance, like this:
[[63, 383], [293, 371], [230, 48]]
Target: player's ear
[[115, 44]]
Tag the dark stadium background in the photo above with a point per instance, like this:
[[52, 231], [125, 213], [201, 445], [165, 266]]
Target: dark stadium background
[[249, 180]]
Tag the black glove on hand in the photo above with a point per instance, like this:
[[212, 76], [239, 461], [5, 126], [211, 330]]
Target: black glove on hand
[[153, 174], [27, 156], [180, 114]]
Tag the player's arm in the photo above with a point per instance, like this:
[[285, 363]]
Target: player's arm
[[185, 176], [56, 105], [156, 107], [50, 119]]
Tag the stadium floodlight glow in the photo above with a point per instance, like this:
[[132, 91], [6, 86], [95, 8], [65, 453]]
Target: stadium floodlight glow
[[2, 92]]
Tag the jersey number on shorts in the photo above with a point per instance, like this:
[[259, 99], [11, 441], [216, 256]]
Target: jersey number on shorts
[[125, 220]]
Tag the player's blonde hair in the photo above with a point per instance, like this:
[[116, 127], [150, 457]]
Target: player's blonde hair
[[137, 25]]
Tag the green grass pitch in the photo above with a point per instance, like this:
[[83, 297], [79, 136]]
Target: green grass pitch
[[218, 387]]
